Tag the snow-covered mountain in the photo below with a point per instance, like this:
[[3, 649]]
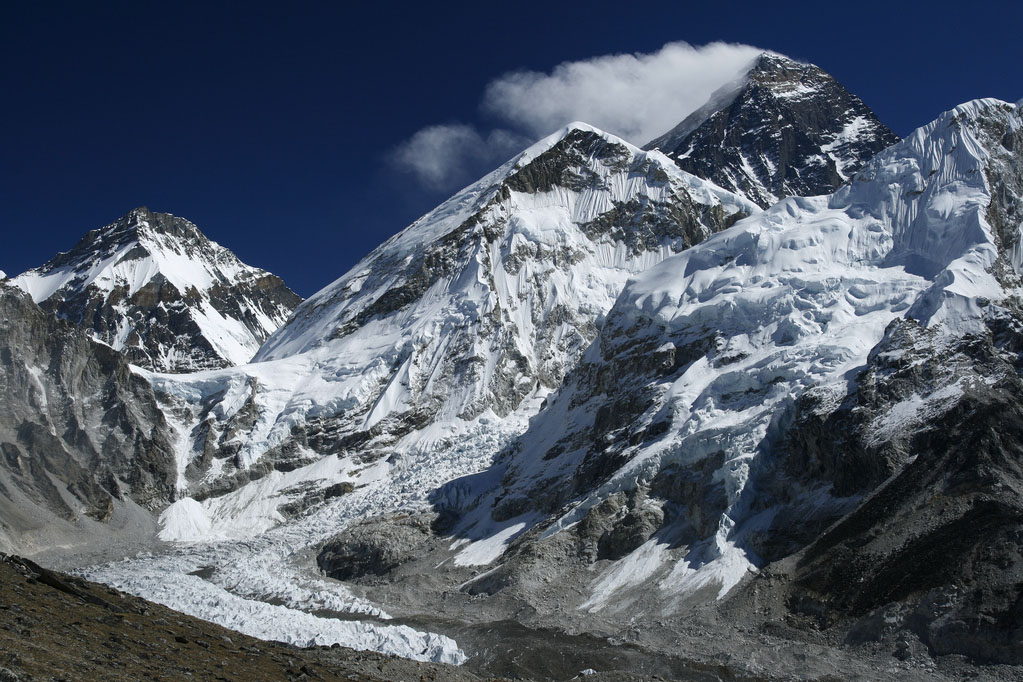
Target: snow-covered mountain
[[153, 287], [696, 407], [781, 129], [412, 369], [462, 322], [744, 395]]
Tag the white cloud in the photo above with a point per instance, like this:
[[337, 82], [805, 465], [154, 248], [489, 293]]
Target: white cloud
[[635, 96], [445, 156]]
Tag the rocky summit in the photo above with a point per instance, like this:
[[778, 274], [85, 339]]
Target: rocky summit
[[782, 129]]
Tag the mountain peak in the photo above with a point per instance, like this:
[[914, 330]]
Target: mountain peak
[[783, 128], [780, 74], [772, 61], [143, 221], [571, 133], [153, 286]]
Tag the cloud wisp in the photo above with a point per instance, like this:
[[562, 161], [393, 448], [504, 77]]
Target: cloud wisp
[[441, 157], [635, 96]]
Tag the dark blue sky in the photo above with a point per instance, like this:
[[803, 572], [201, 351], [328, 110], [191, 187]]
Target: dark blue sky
[[270, 126]]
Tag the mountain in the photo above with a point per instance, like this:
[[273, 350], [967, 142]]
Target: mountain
[[830, 389], [594, 400], [414, 368], [153, 287], [462, 322], [86, 452], [782, 129], [53, 623]]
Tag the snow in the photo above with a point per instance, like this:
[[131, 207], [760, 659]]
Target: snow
[[912, 410], [788, 300], [633, 570], [129, 254], [253, 508], [191, 594], [493, 543], [857, 129], [185, 520]]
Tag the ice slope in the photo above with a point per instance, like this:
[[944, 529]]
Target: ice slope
[[468, 317], [153, 286], [694, 375]]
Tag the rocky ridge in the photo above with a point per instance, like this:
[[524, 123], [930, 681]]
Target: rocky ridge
[[85, 448]]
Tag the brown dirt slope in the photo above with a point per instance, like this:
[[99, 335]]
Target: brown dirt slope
[[55, 627]]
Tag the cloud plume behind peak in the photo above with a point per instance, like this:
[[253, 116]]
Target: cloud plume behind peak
[[443, 157], [635, 96]]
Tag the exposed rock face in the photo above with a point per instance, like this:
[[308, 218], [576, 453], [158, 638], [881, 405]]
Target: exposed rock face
[[79, 432], [152, 286], [785, 129], [374, 548], [933, 436]]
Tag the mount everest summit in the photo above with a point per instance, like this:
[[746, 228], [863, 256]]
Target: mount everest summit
[[602, 385], [781, 129]]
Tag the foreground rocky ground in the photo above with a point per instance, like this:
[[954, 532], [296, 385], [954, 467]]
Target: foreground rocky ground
[[56, 627]]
